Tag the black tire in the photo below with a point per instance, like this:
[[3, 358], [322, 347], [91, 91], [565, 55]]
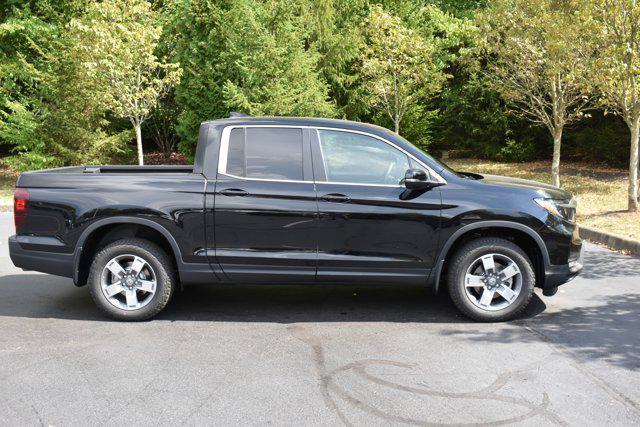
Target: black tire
[[468, 254], [155, 257]]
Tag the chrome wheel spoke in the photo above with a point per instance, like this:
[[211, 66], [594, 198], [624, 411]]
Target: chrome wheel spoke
[[486, 297], [507, 293], [132, 297], [147, 285], [115, 268], [137, 265], [509, 271], [472, 281], [114, 289], [488, 263]]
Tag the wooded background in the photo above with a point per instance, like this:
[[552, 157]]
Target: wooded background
[[78, 78]]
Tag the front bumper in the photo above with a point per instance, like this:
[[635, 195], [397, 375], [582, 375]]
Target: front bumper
[[556, 275], [40, 254]]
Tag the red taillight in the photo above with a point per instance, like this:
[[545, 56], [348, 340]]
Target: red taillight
[[20, 206]]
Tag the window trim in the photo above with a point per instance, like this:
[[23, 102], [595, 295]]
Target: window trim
[[224, 151]]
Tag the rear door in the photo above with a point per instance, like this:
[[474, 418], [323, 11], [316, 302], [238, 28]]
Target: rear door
[[371, 228], [265, 205]]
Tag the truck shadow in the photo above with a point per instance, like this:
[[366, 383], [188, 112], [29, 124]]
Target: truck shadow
[[606, 331], [43, 296], [604, 327]]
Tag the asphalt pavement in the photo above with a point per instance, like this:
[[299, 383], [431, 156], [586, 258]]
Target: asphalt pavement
[[321, 355]]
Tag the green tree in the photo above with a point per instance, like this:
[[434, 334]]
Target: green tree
[[334, 32], [119, 39], [398, 66], [618, 75], [244, 55], [540, 59], [26, 44], [433, 120], [269, 72], [162, 125]]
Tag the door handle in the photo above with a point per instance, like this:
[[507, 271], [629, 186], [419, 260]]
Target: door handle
[[335, 197], [234, 192]]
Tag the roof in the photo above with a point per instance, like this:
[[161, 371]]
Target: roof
[[304, 121]]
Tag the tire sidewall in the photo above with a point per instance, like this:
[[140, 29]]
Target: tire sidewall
[[151, 254], [472, 252]]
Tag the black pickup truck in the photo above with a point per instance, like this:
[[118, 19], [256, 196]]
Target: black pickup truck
[[296, 200]]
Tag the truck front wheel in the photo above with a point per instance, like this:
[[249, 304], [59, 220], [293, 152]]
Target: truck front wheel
[[490, 279], [131, 279]]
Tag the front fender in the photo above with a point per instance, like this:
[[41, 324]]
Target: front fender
[[434, 277]]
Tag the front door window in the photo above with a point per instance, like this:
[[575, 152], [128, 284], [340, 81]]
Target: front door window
[[361, 159]]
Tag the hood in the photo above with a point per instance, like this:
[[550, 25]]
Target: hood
[[545, 190]]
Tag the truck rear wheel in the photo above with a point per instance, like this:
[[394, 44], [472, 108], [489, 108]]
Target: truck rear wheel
[[491, 279], [131, 279]]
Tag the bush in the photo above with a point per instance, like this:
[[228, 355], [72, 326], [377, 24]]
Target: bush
[[604, 139], [25, 161], [522, 150], [18, 128]]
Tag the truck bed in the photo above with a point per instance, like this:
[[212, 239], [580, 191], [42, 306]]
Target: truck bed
[[78, 174], [118, 169]]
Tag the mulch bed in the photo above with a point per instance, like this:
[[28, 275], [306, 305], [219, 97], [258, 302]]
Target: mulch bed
[[160, 159]]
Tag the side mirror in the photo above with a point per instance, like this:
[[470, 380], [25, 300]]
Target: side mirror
[[418, 179]]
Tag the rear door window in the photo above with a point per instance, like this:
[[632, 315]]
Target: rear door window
[[266, 153]]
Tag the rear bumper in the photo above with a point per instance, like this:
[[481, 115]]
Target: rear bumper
[[47, 258]]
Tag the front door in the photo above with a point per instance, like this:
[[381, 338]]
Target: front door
[[265, 205], [371, 228]]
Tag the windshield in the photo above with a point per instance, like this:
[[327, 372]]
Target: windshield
[[440, 163]]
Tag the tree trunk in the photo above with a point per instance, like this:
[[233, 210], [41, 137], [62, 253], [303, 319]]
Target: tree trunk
[[633, 165], [136, 126], [555, 163], [397, 126]]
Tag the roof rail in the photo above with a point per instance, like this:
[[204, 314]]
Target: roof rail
[[236, 114]]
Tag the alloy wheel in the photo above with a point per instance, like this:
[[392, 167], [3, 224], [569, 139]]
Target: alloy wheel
[[128, 282], [493, 282]]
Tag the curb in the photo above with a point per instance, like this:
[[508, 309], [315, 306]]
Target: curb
[[614, 241]]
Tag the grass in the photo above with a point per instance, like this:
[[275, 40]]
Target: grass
[[601, 191]]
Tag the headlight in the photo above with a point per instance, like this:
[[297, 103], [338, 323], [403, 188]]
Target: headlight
[[560, 208]]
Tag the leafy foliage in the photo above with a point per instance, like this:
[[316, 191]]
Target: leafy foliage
[[52, 114], [255, 63], [618, 79], [539, 60], [61, 62], [397, 65], [115, 44]]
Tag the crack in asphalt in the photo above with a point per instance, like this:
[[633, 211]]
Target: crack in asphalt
[[329, 385]]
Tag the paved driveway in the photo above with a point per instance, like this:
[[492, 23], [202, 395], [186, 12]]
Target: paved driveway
[[294, 355]]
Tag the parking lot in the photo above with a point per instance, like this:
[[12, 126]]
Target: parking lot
[[321, 355]]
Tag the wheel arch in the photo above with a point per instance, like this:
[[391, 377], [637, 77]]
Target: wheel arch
[[525, 237], [108, 230]]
